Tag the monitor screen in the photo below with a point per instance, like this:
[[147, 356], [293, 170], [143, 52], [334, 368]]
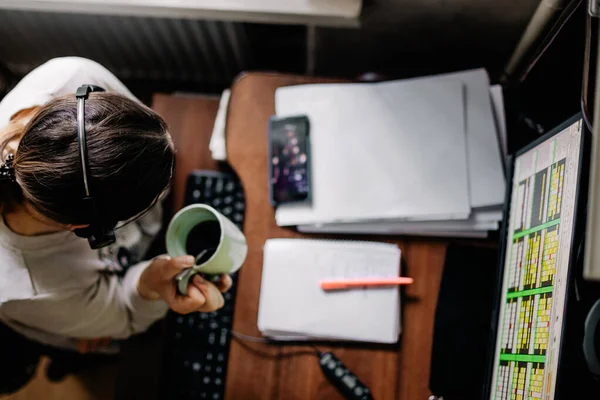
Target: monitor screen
[[536, 266]]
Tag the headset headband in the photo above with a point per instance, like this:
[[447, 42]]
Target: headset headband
[[98, 236]]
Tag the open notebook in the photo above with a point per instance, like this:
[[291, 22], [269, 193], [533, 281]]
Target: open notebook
[[294, 307]]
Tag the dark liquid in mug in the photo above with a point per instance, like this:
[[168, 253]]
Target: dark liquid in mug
[[204, 236]]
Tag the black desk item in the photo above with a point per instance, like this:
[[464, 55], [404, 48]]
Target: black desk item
[[197, 345], [462, 328]]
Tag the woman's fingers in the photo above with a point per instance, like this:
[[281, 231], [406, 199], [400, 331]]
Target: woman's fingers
[[214, 298], [224, 283], [158, 280], [175, 265], [193, 301]]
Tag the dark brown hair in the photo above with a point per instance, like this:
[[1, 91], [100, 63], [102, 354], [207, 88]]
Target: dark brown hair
[[130, 157]]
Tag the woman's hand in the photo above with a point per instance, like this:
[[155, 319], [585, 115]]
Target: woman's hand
[[157, 281]]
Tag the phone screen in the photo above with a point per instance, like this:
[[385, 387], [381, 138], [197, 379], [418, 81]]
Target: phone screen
[[289, 159]]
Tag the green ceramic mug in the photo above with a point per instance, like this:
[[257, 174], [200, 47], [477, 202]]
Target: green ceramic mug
[[203, 232]]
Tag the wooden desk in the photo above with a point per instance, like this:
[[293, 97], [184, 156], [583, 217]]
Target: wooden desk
[[395, 372]]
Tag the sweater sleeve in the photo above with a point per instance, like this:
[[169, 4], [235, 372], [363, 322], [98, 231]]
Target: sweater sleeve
[[110, 308], [144, 312]]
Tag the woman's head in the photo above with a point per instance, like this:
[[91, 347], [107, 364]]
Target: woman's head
[[130, 159]]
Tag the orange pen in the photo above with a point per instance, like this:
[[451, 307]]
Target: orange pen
[[337, 284]]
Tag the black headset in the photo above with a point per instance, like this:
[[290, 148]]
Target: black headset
[[98, 233]]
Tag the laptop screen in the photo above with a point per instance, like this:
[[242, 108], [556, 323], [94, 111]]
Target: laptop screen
[[537, 261]]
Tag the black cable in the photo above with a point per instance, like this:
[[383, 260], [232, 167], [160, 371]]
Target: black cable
[[319, 353], [242, 338], [249, 338]]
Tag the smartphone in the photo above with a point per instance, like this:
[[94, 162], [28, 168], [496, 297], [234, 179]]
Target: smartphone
[[289, 160]]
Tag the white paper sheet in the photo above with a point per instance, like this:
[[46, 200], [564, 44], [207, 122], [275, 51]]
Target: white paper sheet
[[476, 226], [486, 174], [500, 117], [293, 304], [388, 150]]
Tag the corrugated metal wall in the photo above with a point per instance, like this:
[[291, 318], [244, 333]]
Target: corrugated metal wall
[[141, 48]]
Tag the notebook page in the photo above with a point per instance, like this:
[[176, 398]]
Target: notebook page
[[291, 299]]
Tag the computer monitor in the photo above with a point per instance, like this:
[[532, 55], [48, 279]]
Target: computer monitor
[[536, 264]]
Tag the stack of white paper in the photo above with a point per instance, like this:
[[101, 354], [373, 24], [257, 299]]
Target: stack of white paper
[[418, 156], [294, 307]]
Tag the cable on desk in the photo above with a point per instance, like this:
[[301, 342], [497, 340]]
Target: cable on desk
[[249, 338], [255, 339]]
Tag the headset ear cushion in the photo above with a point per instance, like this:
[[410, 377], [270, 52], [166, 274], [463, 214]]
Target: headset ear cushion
[[83, 232], [97, 237], [590, 350]]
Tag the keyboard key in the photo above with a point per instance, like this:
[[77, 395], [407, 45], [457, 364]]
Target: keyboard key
[[209, 356], [216, 396], [196, 195], [227, 211], [237, 217], [206, 380], [239, 206], [217, 202], [219, 370], [223, 340], [228, 200], [219, 186], [220, 357], [196, 366], [230, 186], [218, 382], [212, 338]]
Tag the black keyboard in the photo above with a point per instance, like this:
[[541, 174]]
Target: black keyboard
[[197, 345]]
